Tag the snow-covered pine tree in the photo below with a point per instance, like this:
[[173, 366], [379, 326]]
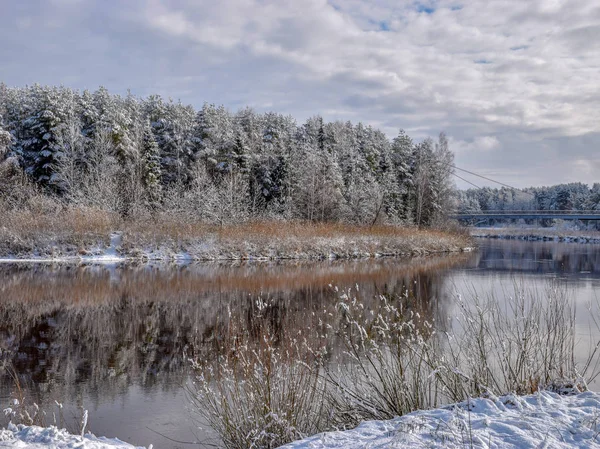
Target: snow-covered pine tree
[[5, 141], [151, 175], [362, 193], [270, 174], [401, 154], [40, 149], [317, 190], [69, 168], [176, 147]]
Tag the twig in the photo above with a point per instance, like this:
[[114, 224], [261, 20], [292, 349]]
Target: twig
[[179, 441]]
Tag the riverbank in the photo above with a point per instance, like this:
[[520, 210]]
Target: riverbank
[[537, 234], [93, 237], [34, 437], [544, 419]]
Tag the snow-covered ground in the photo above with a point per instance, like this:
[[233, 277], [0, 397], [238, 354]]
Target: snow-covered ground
[[108, 255], [231, 244], [33, 437], [542, 421]]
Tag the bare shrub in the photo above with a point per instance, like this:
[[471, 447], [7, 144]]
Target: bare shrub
[[264, 389], [398, 362], [394, 362], [15, 189], [519, 343], [390, 354]]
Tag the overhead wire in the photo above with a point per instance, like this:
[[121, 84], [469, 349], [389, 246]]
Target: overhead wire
[[488, 179], [450, 164], [468, 182]]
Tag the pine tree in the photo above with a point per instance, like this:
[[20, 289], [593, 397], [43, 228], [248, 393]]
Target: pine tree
[[14, 188], [5, 141], [117, 154], [40, 149], [401, 153], [151, 175]]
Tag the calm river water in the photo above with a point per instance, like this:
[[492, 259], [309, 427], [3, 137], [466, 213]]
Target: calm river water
[[115, 340]]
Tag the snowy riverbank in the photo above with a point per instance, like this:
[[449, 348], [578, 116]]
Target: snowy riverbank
[[33, 437], [542, 420], [239, 244]]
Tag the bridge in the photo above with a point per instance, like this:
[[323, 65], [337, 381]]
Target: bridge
[[489, 215], [528, 215]]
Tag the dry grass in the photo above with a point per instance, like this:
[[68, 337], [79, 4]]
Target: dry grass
[[51, 229], [282, 229]]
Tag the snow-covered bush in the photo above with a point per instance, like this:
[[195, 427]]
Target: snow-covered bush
[[272, 388], [263, 389], [519, 343], [391, 352]]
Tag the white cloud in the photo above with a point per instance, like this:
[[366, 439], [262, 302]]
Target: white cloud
[[479, 144], [509, 81]]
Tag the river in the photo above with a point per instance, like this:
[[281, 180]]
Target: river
[[115, 340]]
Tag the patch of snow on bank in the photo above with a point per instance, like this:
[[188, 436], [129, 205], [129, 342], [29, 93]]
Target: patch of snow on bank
[[542, 420], [110, 255], [33, 437]]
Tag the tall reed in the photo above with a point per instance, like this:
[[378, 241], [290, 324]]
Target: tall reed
[[263, 389], [394, 361]]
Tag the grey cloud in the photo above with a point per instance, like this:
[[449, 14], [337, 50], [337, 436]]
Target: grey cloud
[[538, 99]]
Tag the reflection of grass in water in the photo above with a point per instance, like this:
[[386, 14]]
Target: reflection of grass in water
[[88, 286], [102, 335], [395, 362]]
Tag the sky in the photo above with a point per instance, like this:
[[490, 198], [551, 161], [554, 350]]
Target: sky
[[515, 84]]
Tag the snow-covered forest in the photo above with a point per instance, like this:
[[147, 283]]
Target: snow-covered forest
[[572, 196], [142, 156]]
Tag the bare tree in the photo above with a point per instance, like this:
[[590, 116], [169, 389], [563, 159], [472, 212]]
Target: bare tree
[[100, 180], [68, 170]]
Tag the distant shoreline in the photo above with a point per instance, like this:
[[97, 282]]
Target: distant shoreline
[[537, 234]]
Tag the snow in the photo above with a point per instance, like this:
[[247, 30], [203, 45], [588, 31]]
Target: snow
[[34, 437], [109, 255], [543, 420]]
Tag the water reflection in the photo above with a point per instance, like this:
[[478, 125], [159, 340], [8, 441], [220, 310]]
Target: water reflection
[[110, 338], [537, 257], [115, 339]]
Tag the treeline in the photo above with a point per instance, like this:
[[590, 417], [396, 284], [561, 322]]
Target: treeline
[[572, 196], [133, 156]]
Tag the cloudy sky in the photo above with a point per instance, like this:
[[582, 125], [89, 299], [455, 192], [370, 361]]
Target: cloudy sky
[[515, 84]]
